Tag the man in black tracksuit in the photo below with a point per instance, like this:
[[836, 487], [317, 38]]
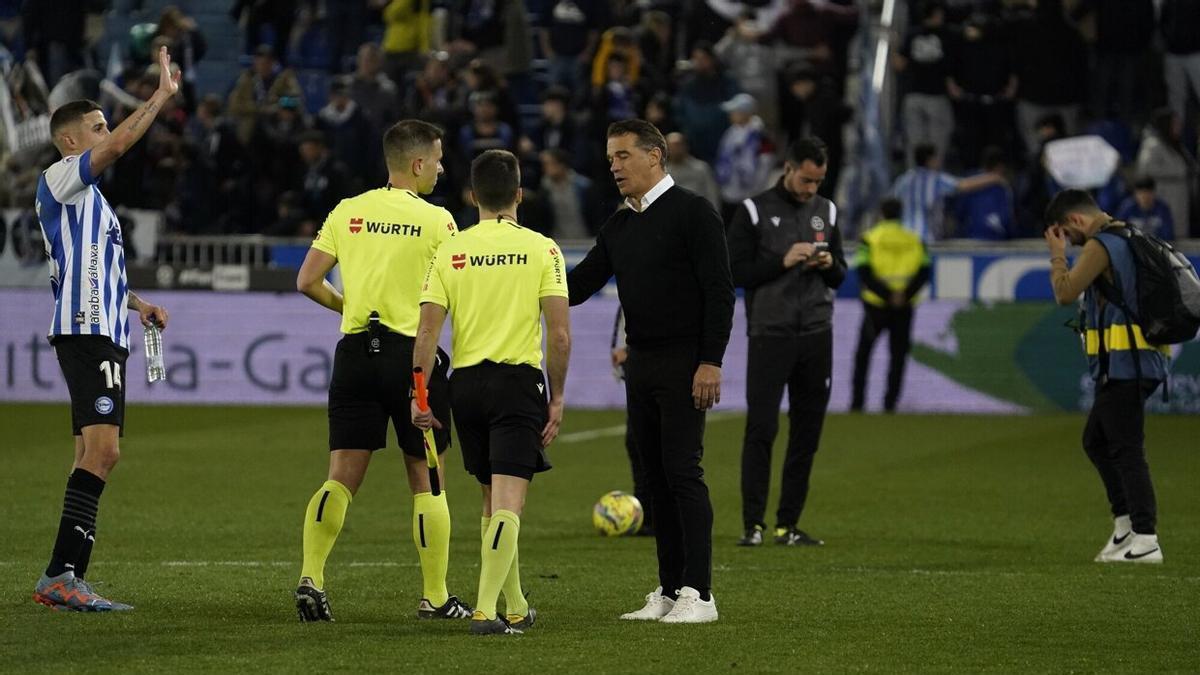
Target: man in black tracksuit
[[785, 249], [669, 256]]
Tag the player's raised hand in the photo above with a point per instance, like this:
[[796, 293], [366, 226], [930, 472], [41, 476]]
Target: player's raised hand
[[168, 82]]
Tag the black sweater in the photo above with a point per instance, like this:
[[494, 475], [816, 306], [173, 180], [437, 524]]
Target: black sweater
[[672, 270]]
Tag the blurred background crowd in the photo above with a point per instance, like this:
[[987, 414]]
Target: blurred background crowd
[[284, 102]]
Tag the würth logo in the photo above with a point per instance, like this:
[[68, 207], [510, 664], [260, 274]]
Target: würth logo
[[495, 259], [355, 225], [458, 261]]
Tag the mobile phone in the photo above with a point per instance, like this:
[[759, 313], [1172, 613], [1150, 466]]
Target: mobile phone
[[821, 246]]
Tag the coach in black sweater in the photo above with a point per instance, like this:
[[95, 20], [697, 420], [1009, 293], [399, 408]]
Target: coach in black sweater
[[670, 259]]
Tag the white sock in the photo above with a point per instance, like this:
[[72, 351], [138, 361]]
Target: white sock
[[1121, 526]]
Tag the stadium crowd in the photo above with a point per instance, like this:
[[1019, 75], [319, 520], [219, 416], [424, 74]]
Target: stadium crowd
[[273, 148]]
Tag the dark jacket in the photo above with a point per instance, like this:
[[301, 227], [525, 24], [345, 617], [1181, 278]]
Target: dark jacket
[[781, 301]]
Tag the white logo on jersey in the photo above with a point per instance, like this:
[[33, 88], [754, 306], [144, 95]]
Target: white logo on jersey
[[541, 388], [104, 405], [817, 224], [775, 221]]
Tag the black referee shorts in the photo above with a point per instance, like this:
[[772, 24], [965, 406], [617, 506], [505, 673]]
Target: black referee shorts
[[367, 390], [94, 369], [500, 411]]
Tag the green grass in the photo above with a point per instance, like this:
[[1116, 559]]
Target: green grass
[[956, 544]]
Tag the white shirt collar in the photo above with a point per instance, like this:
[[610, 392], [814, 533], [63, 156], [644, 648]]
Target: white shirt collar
[[654, 193]]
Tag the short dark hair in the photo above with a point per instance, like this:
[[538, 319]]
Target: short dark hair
[[557, 93], [1145, 183], [648, 135], [808, 149], [407, 137], [495, 179], [992, 157], [559, 155], [923, 153], [70, 113], [1067, 202], [890, 208]]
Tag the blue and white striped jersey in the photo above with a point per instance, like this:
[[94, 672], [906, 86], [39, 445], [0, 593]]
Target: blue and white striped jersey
[[921, 193], [87, 256]]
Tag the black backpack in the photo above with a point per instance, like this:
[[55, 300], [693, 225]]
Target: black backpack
[[1168, 289]]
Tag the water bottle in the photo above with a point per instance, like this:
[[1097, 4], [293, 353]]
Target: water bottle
[[155, 370]]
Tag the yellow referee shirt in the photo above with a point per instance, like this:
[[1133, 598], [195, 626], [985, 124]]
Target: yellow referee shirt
[[491, 278], [383, 240]]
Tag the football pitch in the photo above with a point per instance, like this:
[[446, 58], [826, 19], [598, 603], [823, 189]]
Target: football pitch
[[953, 544]]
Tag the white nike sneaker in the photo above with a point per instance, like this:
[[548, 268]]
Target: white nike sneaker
[[1143, 549], [657, 606], [1118, 543], [689, 608]]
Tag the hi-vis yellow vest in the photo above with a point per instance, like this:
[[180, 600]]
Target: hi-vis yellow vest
[[894, 253]]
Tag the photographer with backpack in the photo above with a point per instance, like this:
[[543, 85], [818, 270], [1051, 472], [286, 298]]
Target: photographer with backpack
[[1138, 296]]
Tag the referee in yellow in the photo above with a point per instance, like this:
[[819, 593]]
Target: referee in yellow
[[383, 241], [497, 280]]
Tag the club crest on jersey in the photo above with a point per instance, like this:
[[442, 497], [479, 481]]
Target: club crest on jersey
[[817, 224], [104, 405], [775, 220], [356, 225], [458, 261]]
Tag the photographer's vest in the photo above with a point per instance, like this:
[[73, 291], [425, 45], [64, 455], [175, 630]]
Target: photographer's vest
[[1112, 340]]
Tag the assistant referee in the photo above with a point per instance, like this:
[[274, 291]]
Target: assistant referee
[[497, 280], [382, 240]]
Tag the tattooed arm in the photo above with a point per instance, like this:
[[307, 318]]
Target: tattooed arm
[[131, 130]]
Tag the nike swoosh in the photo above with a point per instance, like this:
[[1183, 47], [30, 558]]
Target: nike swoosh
[[1129, 555], [1117, 541]]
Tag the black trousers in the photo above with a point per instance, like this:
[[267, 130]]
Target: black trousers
[[898, 324], [804, 365], [641, 489], [668, 433], [1114, 439]]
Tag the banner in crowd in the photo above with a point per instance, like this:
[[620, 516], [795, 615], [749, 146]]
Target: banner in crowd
[[270, 348]]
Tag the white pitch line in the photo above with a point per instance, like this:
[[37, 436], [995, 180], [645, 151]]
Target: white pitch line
[[619, 430]]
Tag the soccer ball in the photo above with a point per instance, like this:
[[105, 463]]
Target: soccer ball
[[616, 514]]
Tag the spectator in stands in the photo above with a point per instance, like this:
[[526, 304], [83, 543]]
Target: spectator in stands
[[812, 107], [698, 105], [187, 44], [752, 66], [291, 220], [617, 41], [485, 131], [258, 90], [350, 134], [658, 113], [923, 189], [1145, 210], [691, 173], [327, 181], [809, 31], [375, 93], [923, 60], [217, 153], [655, 39], [54, 32], [555, 129], [983, 87], [1181, 62], [570, 199], [408, 32], [254, 15], [1164, 158], [494, 31], [616, 99], [1051, 66], [275, 163], [569, 35], [745, 155], [987, 213], [482, 77], [1124, 29], [435, 95]]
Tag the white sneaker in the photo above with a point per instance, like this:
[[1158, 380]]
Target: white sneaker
[[1143, 549], [1116, 545], [657, 606], [689, 608]]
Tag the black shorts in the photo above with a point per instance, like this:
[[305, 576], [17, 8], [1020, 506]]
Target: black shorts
[[500, 412], [367, 390], [94, 369]]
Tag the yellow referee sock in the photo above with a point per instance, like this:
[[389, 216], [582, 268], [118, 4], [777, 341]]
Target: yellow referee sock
[[499, 549], [431, 534], [322, 523], [514, 597]]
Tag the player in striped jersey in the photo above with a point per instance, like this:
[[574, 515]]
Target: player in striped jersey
[[90, 326]]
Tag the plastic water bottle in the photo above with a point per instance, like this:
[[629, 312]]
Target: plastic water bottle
[[155, 370]]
